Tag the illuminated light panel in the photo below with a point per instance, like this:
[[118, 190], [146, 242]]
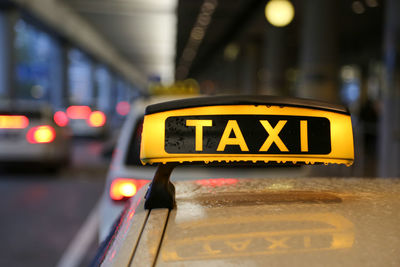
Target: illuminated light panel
[[78, 112], [96, 119], [41, 134], [337, 135], [123, 108], [124, 188], [61, 119], [279, 12], [217, 182], [13, 122]]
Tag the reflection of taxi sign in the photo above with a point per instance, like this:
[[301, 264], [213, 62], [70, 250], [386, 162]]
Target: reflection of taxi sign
[[298, 233], [247, 128]]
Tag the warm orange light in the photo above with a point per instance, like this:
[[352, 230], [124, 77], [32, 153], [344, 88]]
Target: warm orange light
[[78, 112], [41, 134], [123, 108], [123, 188], [13, 122], [61, 119], [97, 119]]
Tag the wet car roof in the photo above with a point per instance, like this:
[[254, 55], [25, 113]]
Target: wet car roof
[[313, 222]]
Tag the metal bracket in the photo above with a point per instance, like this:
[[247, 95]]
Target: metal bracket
[[161, 192]]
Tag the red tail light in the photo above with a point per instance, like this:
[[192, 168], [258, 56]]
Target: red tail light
[[217, 182], [96, 119], [61, 119], [13, 122], [41, 134], [78, 112], [123, 188], [123, 108]]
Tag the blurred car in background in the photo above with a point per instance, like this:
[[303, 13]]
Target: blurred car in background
[[127, 174], [83, 121], [29, 135]]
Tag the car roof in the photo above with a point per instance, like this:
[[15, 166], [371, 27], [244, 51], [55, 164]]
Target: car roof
[[300, 221]]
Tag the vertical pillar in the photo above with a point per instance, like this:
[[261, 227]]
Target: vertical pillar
[[96, 84], [134, 92], [389, 128], [8, 19], [248, 69], [59, 74], [104, 85], [229, 75], [122, 91], [129, 91], [318, 66], [113, 92], [90, 92], [272, 75]]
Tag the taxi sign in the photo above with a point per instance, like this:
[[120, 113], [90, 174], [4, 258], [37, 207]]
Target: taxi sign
[[247, 128]]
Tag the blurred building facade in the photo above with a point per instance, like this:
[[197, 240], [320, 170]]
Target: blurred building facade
[[335, 51]]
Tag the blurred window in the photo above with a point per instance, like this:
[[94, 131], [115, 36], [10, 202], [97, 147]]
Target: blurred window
[[133, 92], [122, 91], [80, 80], [103, 85], [33, 55]]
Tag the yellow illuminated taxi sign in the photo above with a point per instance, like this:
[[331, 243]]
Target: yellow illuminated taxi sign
[[247, 128]]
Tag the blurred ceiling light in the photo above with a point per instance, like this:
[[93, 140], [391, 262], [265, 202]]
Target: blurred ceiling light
[[37, 91], [204, 20], [208, 6], [196, 36], [231, 52], [197, 33], [279, 12], [348, 73], [371, 3], [358, 7]]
